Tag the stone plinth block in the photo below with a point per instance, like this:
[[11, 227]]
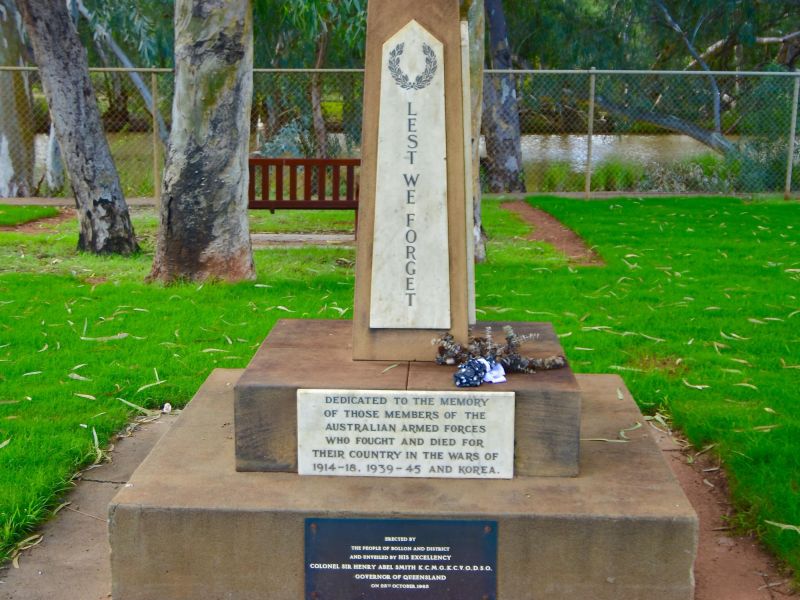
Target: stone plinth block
[[190, 527], [318, 354]]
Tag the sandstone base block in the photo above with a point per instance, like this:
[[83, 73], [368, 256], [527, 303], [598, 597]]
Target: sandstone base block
[[318, 354], [190, 527]]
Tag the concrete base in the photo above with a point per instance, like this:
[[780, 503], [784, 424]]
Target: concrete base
[[189, 526]]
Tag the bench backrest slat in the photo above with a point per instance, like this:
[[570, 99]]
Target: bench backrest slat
[[335, 182]]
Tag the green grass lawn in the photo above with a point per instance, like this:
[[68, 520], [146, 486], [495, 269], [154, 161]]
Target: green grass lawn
[[697, 308], [11, 215]]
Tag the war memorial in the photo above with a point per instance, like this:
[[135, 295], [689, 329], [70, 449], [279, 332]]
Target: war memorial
[[345, 463]]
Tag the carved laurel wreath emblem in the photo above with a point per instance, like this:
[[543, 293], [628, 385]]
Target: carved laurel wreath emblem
[[423, 79]]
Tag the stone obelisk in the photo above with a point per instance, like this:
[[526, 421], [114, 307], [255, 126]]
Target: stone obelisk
[[411, 268]]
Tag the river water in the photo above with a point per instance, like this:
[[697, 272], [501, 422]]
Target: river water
[[641, 149]]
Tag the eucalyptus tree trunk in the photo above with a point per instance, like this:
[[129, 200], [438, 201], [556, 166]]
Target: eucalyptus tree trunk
[[473, 12], [501, 111], [204, 231], [16, 112], [105, 225]]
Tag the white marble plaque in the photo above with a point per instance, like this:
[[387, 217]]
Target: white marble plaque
[[363, 433], [410, 260]]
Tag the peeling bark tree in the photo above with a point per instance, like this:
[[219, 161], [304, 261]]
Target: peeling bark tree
[[500, 110], [105, 225], [54, 164], [16, 113], [473, 12], [204, 231]]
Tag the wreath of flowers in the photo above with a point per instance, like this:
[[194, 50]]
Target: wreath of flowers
[[423, 79], [483, 359]]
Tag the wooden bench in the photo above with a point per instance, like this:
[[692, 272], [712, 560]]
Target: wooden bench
[[304, 184]]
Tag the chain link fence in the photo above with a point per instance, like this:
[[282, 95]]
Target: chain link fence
[[125, 98], [578, 131]]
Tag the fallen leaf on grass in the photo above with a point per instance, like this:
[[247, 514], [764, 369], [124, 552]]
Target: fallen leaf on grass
[[208, 350], [747, 385], [78, 377], [158, 381], [661, 420], [785, 366], [732, 336], [766, 428], [783, 526], [31, 373], [46, 346], [149, 385], [87, 396], [119, 336], [100, 454], [696, 386], [136, 406], [4, 444]]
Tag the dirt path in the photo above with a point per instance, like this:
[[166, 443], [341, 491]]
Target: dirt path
[[548, 229], [728, 567]]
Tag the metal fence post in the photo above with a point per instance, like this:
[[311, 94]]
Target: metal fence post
[[587, 185], [787, 192], [156, 141]]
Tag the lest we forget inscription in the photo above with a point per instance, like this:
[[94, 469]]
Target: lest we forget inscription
[[400, 558], [390, 433], [410, 259]]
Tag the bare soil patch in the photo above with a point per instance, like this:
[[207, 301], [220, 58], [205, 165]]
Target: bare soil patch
[[548, 229], [44, 225], [728, 566]]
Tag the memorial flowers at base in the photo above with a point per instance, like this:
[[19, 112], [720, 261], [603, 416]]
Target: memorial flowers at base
[[484, 360]]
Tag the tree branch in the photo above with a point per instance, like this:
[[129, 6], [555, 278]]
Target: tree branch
[[712, 139], [720, 44], [693, 51], [102, 34]]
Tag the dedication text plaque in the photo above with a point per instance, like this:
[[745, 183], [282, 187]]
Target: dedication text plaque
[[400, 559], [398, 433]]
